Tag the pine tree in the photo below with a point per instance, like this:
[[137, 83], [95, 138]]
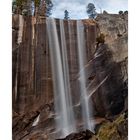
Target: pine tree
[[91, 11], [125, 12], [43, 7], [14, 7], [17, 6], [29, 7], [22, 7], [120, 12], [49, 8], [66, 15], [26, 7], [36, 7]]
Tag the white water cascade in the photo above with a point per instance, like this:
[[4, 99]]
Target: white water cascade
[[65, 117], [84, 100], [67, 78], [65, 123]]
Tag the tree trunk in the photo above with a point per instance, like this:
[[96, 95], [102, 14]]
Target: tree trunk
[[36, 11], [43, 8]]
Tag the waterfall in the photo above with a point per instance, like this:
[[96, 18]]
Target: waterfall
[[65, 117], [84, 100], [66, 77], [63, 105]]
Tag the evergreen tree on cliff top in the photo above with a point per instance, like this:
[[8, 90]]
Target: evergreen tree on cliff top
[[49, 8], [66, 15], [26, 7], [17, 6], [45, 8], [91, 11]]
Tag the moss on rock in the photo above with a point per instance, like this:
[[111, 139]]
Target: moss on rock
[[116, 130]]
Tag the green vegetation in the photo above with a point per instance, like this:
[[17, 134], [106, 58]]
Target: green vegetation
[[37, 3], [120, 12], [100, 39], [91, 11], [66, 15], [116, 130], [32, 7], [49, 8], [17, 6], [123, 12]]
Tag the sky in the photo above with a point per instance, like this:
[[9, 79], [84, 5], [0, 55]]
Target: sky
[[77, 8]]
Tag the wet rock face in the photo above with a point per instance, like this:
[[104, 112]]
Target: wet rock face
[[34, 124], [108, 98]]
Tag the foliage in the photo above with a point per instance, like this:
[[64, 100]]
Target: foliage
[[37, 3], [19, 2], [21, 6], [26, 7], [25, 12], [100, 39], [66, 15], [126, 12], [45, 8], [91, 11], [120, 12], [49, 8], [123, 13], [116, 130], [17, 5], [14, 6]]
